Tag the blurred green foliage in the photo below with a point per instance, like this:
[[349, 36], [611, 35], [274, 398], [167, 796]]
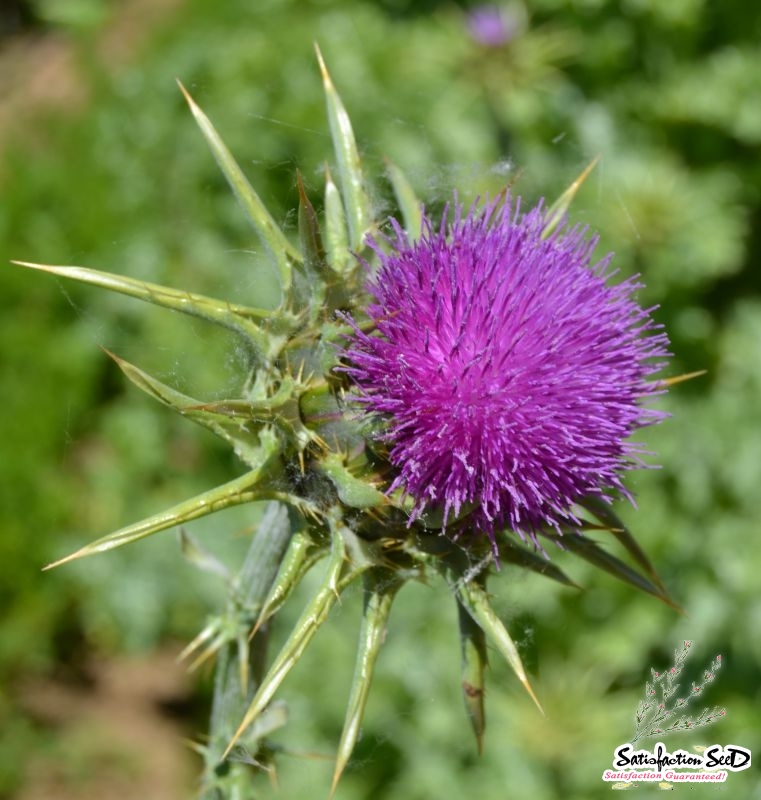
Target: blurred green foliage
[[668, 94]]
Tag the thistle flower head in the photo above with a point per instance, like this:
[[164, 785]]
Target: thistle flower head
[[505, 371], [492, 26], [509, 367]]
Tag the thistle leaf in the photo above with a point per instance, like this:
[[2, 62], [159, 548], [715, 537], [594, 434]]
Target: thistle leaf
[[236, 492], [336, 234], [309, 229], [356, 201], [512, 553], [233, 429], [588, 550], [312, 617], [558, 210], [281, 250], [409, 205], [309, 286], [325, 291], [380, 590], [605, 514], [475, 600], [474, 662], [228, 315]]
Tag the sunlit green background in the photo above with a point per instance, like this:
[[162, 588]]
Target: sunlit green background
[[102, 166]]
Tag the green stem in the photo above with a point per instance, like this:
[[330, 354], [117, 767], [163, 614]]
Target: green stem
[[231, 779]]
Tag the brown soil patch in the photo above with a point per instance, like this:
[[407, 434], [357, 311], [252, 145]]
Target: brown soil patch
[[40, 71], [114, 738]]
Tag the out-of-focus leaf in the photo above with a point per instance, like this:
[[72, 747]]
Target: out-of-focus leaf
[[200, 557]]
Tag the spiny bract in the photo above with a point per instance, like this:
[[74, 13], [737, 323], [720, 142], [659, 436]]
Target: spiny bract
[[501, 371]]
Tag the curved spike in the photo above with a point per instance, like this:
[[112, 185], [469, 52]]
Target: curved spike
[[557, 211], [475, 600], [236, 492], [210, 650], [356, 201], [261, 220], [238, 421], [687, 376], [380, 590], [227, 315], [474, 662], [210, 631], [301, 556]]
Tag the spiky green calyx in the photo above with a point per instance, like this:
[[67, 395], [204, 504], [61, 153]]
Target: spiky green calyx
[[305, 447]]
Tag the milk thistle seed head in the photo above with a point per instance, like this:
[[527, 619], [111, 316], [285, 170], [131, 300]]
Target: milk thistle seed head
[[510, 368]]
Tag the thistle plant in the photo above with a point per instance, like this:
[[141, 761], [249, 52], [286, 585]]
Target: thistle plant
[[653, 711], [430, 398]]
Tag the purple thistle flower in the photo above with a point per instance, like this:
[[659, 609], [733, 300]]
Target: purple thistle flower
[[492, 26], [508, 369]]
